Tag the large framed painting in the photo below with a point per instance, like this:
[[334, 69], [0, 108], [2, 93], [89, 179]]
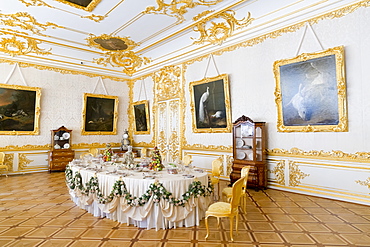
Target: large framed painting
[[141, 117], [87, 5], [311, 92], [210, 105], [19, 110], [100, 113]]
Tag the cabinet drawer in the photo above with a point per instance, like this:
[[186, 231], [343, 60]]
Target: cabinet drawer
[[61, 159], [62, 153]]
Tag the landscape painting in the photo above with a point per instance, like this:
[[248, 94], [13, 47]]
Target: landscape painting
[[19, 110], [99, 114]]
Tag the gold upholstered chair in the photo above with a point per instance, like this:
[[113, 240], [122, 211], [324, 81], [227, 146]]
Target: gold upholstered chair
[[2, 163], [143, 152], [216, 173], [227, 209], [227, 192], [94, 152]]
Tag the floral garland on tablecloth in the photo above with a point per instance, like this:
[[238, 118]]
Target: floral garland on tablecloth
[[156, 189]]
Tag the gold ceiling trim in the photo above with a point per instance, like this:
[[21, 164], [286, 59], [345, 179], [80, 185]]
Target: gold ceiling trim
[[363, 157], [289, 29], [216, 33], [90, 7], [61, 70], [29, 3], [177, 8]]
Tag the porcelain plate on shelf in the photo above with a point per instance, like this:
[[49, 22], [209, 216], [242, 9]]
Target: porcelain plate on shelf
[[240, 155], [66, 136], [239, 143], [66, 145]]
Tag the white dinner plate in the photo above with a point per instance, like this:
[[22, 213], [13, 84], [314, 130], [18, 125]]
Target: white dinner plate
[[239, 143], [66, 145], [66, 136], [240, 155]]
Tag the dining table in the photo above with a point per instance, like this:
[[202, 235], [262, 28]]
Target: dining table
[[147, 199]]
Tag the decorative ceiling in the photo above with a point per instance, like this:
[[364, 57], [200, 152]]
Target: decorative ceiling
[[130, 38]]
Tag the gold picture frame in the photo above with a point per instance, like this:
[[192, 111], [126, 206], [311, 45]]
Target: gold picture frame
[[141, 117], [210, 105], [85, 4], [99, 114], [310, 92], [19, 110]]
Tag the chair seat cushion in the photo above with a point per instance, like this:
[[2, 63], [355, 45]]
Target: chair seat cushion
[[219, 209]]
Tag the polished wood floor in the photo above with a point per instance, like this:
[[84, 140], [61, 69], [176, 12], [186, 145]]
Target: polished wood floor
[[35, 210]]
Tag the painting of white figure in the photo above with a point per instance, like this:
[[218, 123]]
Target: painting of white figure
[[209, 103], [309, 92]]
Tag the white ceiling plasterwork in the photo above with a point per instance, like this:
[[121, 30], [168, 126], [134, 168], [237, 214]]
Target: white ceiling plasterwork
[[130, 38]]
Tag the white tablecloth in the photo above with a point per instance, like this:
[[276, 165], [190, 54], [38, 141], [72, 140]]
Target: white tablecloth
[[152, 215]]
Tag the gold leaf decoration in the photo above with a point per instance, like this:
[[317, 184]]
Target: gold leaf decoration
[[29, 3], [96, 18], [229, 164], [9, 161], [23, 161], [364, 183], [295, 174], [16, 46], [177, 8], [168, 83], [216, 33], [174, 145], [279, 171]]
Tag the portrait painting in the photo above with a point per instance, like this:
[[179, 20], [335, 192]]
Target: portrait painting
[[311, 92], [19, 110], [210, 105], [141, 116], [100, 113]]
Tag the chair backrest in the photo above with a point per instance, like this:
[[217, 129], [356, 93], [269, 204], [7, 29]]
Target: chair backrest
[[94, 151], [187, 160], [237, 193], [143, 152], [244, 174], [216, 167], [82, 156]]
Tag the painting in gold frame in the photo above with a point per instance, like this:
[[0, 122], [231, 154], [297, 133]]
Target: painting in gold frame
[[210, 105], [141, 116], [100, 113], [19, 110], [87, 5], [311, 92]]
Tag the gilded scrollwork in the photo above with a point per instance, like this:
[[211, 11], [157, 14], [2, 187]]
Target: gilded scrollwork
[[295, 174], [173, 142], [16, 46], [177, 8], [279, 171], [168, 83], [217, 32], [364, 183], [9, 158], [29, 3], [23, 161]]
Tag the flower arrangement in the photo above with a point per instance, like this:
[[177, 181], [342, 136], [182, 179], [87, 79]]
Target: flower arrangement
[[108, 153], [156, 163], [155, 190]]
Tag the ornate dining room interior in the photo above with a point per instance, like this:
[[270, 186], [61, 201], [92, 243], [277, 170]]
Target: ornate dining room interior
[[155, 92]]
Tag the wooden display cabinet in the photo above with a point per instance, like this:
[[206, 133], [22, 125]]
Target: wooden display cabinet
[[249, 144], [61, 153]]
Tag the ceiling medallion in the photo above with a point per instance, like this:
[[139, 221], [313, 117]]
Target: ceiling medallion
[[217, 32], [87, 5], [118, 52], [177, 8]]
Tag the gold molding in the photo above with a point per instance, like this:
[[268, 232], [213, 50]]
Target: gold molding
[[279, 171], [340, 92], [363, 157], [177, 8], [216, 33], [208, 148], [364, 183], [9, 158], [23, 161], [29, 3], [295, 174], [115, 114], [168, 83], [90, 7], [16, 46]]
